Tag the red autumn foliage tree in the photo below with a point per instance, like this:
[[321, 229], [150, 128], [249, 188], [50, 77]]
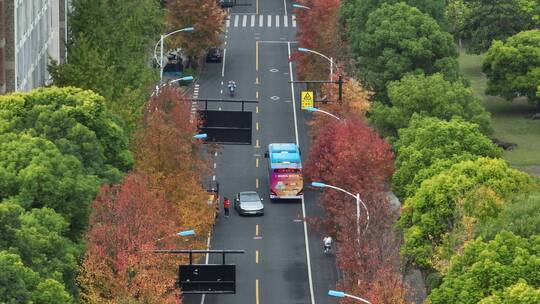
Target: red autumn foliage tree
[[371, 263], [355, 103], [319, 32], [163, 197], [350, 155], [119, 266], [167, 153], [204, 15]]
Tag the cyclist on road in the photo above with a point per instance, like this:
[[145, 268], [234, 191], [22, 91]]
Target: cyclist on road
[[232, 87], [327, 241]]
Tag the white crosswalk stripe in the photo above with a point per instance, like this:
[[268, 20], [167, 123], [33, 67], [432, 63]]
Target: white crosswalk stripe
[[194, 104], [250, 20]]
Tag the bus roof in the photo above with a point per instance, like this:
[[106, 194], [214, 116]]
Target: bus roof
[[284, 156], [289, 147]]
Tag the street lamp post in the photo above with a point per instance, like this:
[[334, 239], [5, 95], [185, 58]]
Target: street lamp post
[[341, 294], [296, 5], [358, 202], [158, 87], [313, 109], [181, 233], [200, 136], [186, 78], [330, 59], [160, 43]]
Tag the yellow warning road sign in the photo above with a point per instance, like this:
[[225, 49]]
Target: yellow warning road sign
[[307, 99]]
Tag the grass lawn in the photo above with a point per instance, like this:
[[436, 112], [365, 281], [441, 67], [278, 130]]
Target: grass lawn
[[508, 119]]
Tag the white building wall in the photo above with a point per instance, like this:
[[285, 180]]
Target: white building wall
[[37, 36]]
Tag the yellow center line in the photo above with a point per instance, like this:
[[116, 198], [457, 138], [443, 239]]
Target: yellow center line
[[257, 230], [257, 109], [256, 55], [257, 126], [256, 291], [257, 162], [257, 95], [257, 144], [257, 256], [257, 80], [257, 183]]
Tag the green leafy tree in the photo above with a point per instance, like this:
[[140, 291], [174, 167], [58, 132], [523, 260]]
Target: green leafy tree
[[457, 12], [50, 291], [442, 201], [490, 20], [35, 174], [428, 139], [399, 39], [521, 216], [109, 52], [19, 284], [518, 293], [488, 268], [513, 67], [39, 238], [427, 96], [76, 121], [16, 281], [438, 166], [355, 13]]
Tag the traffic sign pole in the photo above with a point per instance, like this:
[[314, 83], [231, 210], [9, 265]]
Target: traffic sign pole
[[339, 82]]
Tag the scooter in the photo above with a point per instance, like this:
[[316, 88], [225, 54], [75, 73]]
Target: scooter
[[231, 90], [327, 249]]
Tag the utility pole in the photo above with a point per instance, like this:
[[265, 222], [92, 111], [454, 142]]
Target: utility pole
[[340, 89]]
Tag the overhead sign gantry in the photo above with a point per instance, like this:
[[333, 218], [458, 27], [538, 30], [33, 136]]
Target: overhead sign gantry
[[226, 127]]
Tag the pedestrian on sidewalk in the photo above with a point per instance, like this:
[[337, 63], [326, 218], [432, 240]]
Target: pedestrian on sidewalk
[[226, 206]]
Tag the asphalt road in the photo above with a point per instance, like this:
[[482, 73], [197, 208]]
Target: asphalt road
[[283, 260]]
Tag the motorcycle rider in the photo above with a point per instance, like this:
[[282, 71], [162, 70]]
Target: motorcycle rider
[[232, 87], [327, 241]]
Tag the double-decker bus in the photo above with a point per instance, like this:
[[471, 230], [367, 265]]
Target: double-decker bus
[[285, 171]]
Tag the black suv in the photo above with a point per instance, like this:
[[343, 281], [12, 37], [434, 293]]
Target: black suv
[[214, 54], [226, 3]]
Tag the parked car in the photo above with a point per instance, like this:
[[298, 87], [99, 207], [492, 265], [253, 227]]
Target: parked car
[[248, 203], [226, 3], [214, 54]]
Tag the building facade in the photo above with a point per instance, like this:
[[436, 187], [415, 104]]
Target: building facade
[[31, 32]]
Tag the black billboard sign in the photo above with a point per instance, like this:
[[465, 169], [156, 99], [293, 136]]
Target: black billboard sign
[[226, 127], [207, 278]]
